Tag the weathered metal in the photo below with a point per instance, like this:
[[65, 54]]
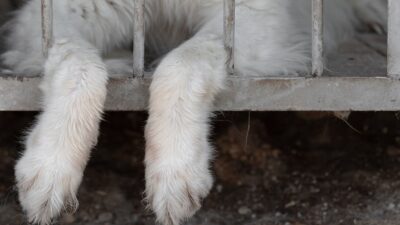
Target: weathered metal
[[242, 93], [317, 38], [138, 38], [355, 79], [229, 34], [47, 25], [393, 39]]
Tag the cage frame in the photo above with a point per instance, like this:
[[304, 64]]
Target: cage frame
[[266, 93]]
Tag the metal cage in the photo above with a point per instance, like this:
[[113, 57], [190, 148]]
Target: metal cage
[[318, 92]]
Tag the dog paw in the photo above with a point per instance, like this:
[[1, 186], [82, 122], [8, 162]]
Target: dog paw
[[46, 187], [176, 194]]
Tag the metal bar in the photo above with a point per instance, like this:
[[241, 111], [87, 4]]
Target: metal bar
[[138, 38], [317, 38], [229, 34], [47, 25], [244, 93], [393, 39]]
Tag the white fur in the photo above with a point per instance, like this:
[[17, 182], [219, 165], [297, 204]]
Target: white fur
[[272, 38], [58, 147]]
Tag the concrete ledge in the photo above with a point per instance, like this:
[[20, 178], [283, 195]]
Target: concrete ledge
[[256, 94]]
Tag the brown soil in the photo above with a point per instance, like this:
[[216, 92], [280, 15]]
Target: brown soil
[[271, 168]]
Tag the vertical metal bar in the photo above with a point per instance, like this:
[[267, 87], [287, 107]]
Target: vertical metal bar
[[229, 34], [138, 38], [317, 38], [393, 39], [47, 25]]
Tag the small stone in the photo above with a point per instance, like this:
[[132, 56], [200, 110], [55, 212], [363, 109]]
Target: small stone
[[85, 216], [101, 193], [134, 218], [391, 206], [219, 188], [105, 217], [244, 210], [393, 151], [290, 204], [314, 190]]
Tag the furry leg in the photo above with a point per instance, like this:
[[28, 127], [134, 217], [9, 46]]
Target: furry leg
[[58, 147], [177, 149]]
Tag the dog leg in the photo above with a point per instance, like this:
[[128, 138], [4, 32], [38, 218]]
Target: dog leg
[[178, 152], [58, 147]]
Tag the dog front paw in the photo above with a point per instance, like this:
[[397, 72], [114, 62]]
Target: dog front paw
[[46, 187], [176, 194]]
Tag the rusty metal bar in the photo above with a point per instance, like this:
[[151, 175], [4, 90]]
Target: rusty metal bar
[[317, 38], [393, 39], [47, 25], [138, 38], [229, 34]]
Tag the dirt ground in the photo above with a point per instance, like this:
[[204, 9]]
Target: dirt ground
[[271, 168]]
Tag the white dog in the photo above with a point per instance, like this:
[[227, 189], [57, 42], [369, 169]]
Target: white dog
[[273, 37]]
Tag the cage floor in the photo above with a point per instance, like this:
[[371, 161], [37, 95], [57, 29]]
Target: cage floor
[[354, 80]]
